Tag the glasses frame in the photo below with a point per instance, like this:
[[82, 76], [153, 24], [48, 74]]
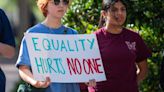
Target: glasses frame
[[65, 2]]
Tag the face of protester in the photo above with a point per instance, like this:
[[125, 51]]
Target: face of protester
[[116, 14], [57, 8]]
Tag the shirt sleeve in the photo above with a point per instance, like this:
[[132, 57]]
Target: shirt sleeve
[[72, 31], [7, 36], [75, 32], [23, 58], [143, 52]]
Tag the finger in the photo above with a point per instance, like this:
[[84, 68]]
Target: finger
[[42, 84], [38, 84], [86, 83], [47, 82], [92, 82], [48, 79]]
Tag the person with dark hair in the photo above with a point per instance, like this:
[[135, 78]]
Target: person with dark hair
[[7, 44], [53, 10], [124, 53]]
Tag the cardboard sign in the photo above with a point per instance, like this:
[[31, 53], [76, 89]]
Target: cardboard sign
[[65, 58]]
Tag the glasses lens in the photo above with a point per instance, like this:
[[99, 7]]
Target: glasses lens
[[56, 2], [66, 2]]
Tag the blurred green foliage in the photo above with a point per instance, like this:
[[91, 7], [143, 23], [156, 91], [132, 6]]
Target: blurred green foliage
[[83, 15], [144, 16]]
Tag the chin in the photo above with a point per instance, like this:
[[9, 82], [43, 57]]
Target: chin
[[121, 23], [59, 16]]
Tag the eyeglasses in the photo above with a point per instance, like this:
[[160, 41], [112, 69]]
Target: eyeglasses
[[65, 2]]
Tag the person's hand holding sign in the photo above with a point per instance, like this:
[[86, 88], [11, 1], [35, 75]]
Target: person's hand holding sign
[[91, 85], [42, 84], [27, 75]]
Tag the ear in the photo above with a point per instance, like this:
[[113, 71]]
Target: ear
[[42, 6], [44, 9], [103, 13]]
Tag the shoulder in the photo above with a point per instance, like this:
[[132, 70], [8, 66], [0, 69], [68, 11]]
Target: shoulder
[[35, 29], [2, 14], [71, 30], [133, 36], [99, 31], [1, 11], [131, 33]]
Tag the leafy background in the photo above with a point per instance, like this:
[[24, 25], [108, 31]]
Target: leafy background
[[144, 16]]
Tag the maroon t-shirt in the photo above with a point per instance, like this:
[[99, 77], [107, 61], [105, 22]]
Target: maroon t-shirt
[[119, 54]]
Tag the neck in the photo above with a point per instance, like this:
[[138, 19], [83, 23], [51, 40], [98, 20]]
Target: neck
[[113, 29], [52, 23]]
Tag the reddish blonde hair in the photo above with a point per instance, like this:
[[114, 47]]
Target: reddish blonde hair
[[42, 5]]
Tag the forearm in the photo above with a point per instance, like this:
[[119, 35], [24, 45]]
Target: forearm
[[141, 76], [7, 51], [143, 71], [26, 75]]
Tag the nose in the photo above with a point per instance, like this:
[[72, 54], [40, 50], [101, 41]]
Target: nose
[[119, 12], [61, 3]]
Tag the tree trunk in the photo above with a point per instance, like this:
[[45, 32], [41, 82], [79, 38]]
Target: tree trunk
[[24, 10]]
